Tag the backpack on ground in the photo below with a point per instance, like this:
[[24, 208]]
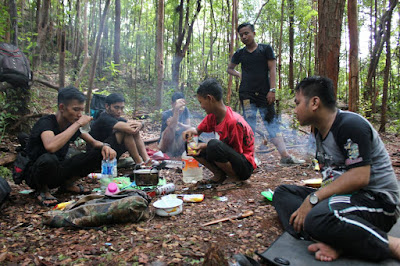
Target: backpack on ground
[[5, 190], [14, 66], [97, 210], [97, 105]]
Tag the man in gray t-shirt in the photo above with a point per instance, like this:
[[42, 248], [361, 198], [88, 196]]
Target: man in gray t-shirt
[[358, 201]]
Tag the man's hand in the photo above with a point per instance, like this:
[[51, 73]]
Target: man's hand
[[189, 133], [136, 126], [108, 152], [179, 105], [84, 119], [299, 216], [194, 151], [271, 97]]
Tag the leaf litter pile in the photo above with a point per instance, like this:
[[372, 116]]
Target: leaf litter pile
[[176, 240]]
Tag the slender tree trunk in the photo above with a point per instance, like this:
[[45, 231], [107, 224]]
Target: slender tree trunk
[[352, 14], [12, 10], [280, 46], [117, 32], [76, 50], [330, 15], [291, 44], [184, 33], [86, 58], [42, 30], [160, 52], [61, 66], [96, 52], [137, 55], [231, 48], [382, 127]]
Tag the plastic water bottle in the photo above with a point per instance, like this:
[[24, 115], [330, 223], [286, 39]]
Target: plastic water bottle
[[96, 175], [109, 167], [191, 170], [165, 189]]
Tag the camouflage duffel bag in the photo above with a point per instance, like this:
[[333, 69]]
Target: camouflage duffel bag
[[96, 210]]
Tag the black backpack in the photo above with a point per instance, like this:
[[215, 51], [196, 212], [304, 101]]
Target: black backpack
[[14, 66], [4, 190], [97, 105]]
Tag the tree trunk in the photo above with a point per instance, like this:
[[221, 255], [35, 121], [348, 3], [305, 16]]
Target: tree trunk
[[330, 15], [184, 33], [382, 127], [160, 52], [291, 44], [280, 46], [231, 48], [42, 30], [75, 49], [353, 55], [117, 32], [14, 21], [96, 52], [85, 44], [61, 66], [377, 51]]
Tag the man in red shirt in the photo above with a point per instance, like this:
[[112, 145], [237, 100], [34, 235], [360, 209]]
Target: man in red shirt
[[231, 153]]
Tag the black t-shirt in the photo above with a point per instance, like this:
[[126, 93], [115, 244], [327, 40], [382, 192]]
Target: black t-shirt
[[103, 126], [255, 72], [182, 119], [35, 146]]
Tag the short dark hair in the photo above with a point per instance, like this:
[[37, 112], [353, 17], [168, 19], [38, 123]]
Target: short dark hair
[[114, 98], [176, 96], [246, 24], [210, 87], [69, 93], [321, 87]]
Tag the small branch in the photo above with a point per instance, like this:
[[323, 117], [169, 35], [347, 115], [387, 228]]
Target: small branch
[[48, 84], [23, 119]]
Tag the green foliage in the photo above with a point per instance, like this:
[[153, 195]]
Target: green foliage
[[3, 21], [6, 173]]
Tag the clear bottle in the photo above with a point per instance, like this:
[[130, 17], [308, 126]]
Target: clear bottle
[[109, 167], [191, 170]]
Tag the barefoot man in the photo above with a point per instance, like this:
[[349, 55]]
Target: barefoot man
[[358, 202]]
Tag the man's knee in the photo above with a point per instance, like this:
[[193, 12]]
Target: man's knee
[[214, 150]]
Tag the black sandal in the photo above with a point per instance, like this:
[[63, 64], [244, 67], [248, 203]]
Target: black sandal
[[44, 197], [82, 190]]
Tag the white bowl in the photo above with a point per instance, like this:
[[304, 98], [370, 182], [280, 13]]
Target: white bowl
[[168, 207]]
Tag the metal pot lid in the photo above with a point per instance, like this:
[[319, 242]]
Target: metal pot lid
[[146, 171]]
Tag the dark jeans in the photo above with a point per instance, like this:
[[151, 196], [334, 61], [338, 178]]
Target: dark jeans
[[357, 224], [217, 151], [49, 170]]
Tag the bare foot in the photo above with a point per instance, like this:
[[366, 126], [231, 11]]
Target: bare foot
[[323, 252], [394, 246]]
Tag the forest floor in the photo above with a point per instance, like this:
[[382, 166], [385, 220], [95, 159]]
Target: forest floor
[[176, 240]]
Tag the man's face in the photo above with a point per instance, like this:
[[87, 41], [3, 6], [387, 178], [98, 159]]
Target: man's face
[[246, 35], [303, 109], [205, 103], [115, 109], [72, 111]]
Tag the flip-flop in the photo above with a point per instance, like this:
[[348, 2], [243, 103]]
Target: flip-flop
[[64, 189], [44, 198]]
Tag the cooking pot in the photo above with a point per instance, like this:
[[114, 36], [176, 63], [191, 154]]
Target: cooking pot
[[146, 177], [168, 207]]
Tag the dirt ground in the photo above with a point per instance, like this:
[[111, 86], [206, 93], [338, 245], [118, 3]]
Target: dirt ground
[[177, 240]]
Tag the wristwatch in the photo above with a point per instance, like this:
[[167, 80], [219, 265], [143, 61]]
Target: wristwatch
[[272, 90], [313, 199]]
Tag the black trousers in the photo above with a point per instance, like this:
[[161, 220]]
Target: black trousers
[[49, 170], [218, 151], [356, 224]]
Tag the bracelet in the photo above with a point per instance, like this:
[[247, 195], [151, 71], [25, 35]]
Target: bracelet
[[105, 144]]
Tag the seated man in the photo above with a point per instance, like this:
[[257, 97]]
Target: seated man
[[174, 122], [358, 201], [113, 129], [232, 152], [48, 145]]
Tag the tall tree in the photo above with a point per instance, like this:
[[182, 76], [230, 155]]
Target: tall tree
[[291, 44], [117, 32], [160, 52], [382, 127], [42, 29], [12, 10], [86, 57], [330, 15], [231, 47], [61, 64], [96, 52], [185, 30], [280, 46], [352, 16]]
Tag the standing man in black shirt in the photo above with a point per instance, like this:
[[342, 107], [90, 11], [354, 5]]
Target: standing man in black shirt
[[257, 87], [48, 145]]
